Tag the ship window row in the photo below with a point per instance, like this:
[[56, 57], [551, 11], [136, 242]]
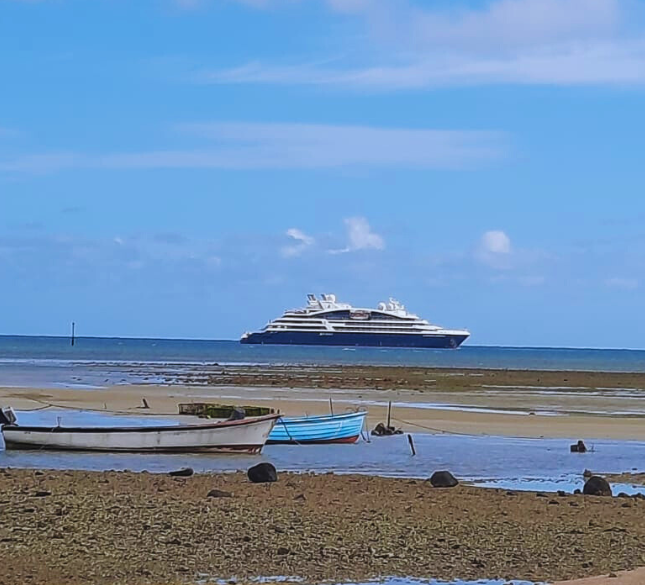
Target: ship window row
[[380, 325], [350, 327], [299, 327], [384, 322], [376, 330]]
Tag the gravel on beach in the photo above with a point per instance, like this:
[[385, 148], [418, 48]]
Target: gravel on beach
[[69, 527], [405, 377]]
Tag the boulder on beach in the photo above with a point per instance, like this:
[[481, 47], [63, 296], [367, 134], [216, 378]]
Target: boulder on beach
[[597, 486], [219, 494], [579, 447], [381, 430], [443, 479], [185, 472], [262, 473]]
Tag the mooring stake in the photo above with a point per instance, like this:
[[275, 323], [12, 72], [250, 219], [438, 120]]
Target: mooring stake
[[414, 452]]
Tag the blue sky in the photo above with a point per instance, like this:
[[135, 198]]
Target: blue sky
[[190, 168]]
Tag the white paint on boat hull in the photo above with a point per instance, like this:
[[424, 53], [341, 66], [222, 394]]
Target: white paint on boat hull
[[247, 435]]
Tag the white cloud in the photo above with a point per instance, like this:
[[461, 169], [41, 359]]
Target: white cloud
[[301, 242], [622, 283], [494, 249], [495, 242], [360, 236], [289, 146], [552, 42], [607, 63]]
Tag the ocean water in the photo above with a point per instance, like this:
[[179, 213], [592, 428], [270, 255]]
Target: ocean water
[[45, 351], [98, 362]]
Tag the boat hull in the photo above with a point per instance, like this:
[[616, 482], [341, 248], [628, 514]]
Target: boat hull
[[242, 436], [446, 341], [342, 428]]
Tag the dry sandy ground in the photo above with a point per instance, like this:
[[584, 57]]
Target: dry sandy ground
[[72, 527], [623, 578], [489, 411]]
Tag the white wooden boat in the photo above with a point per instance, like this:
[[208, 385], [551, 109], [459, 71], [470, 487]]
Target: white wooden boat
[[247, 435]]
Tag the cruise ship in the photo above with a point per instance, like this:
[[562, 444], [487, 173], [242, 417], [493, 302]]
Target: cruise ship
[[325, 321]]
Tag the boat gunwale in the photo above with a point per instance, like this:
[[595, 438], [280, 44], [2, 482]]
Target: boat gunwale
[[141, 429], [323, 417]]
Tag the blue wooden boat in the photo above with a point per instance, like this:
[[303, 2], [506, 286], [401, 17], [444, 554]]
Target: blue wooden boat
[[331, 428]]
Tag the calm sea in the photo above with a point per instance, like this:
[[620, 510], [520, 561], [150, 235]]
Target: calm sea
[[27, 350]]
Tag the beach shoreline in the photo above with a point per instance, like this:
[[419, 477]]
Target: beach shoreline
[[532, 404], [68, 527]]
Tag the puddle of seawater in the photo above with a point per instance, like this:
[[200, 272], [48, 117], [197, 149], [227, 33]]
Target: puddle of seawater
[[507, 463], [552, 485], [382, 581]]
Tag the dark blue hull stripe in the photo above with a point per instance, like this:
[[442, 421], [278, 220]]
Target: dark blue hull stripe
[[355, 339]]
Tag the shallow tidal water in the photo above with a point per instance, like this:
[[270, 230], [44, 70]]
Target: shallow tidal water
[[501, 462], [391, 581], [385, 581]]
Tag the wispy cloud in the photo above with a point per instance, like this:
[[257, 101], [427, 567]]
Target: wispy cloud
[[292, 146], [299, 242], [360, 236], [622, 283], [550, 42], [494, 249], [6, 132]]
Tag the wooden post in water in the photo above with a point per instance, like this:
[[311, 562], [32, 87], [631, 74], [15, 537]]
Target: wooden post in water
[[389, 413], [414, 452], [331, 407], [73, 333]]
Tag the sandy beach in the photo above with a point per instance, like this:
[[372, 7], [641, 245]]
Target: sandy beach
[[585, 405], [78, 527], [143, 528]]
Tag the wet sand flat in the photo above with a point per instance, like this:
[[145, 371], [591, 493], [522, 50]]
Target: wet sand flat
[[470, 406], [77, 527]]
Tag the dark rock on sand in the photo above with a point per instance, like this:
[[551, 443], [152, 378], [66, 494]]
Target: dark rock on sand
[[443, 479], [381, 430], [579, 447], [597, 486], [262, 473], [185, 472], [587, 473], [219, 494]]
